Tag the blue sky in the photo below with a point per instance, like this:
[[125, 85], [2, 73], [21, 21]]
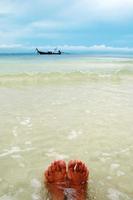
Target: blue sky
[[70, 24]]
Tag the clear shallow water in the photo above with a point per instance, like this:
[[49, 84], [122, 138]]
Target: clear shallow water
[[66, 108]]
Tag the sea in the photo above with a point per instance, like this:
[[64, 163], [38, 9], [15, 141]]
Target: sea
[[71, 107]]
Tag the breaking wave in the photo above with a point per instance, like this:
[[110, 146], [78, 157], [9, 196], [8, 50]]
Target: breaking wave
[[62, 77]]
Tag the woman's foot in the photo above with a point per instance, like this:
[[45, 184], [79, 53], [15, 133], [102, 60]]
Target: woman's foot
[[71, 184], [55, 179], [78, 177], [56, 172], [77, 172]]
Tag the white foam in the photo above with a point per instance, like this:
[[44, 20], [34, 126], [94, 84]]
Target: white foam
[[16, 156], [15, 150], [125, 150], [35, 183], [120, 173], [26, 122], [22, 165], [74, 134], [88, 111], [109, 177], [106, 154], [103, 160], [114, 194], [28, 142], [14, 131], [35, 197], [56, 103], [52, 153], [51, 150], [11, 151], [114, 166], [20, 190], [6, 197]]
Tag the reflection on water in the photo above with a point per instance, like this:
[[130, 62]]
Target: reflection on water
[[86, 119]]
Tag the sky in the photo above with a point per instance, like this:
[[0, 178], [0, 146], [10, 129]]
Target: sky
[[70, 24]]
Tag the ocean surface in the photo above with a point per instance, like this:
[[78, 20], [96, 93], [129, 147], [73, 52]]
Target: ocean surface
[[66, 107]]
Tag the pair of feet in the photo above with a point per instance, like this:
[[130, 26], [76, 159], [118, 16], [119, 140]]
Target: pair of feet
[[66, 183]]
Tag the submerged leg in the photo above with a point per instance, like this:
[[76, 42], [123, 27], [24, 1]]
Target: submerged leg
[[55, 179], [78, 177]]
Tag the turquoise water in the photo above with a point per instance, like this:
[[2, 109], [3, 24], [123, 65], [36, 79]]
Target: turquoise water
[[66, 107], [28, 69], [63, 63]]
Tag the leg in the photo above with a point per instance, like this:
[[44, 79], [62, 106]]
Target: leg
[[55, 179], [78, 177]]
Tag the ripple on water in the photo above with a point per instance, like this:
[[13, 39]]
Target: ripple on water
[[26, 121], [109, 177], [14, 131], [74, 134], [36, 185], [114, 166], [15, 150], [11, 151], [6, 197], [56, 155], [114, 194], [28, 143], [17, 156], [36, 197]]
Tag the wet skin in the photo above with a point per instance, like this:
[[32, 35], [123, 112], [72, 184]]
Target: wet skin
[[63, 184]]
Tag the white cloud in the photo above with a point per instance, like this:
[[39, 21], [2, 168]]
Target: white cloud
[[47, 24], [95, 10], [94, 48], [68, 21], [109, 48], [5, 7], [10, 46], [119, 5]]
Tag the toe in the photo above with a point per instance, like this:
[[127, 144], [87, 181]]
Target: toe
[[59, 166], [56, 167], [72, 165], [79, 167], [52, 167], [62, 165], [85, 172], [49, 170], [83, 168], [47, 176]]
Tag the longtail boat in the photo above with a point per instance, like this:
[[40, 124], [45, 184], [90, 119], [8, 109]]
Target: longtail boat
[[48, 52]]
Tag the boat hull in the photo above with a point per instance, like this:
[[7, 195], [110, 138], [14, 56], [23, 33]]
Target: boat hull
[[48, 53]]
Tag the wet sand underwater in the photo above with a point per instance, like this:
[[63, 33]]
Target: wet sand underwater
[[78, 108]]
